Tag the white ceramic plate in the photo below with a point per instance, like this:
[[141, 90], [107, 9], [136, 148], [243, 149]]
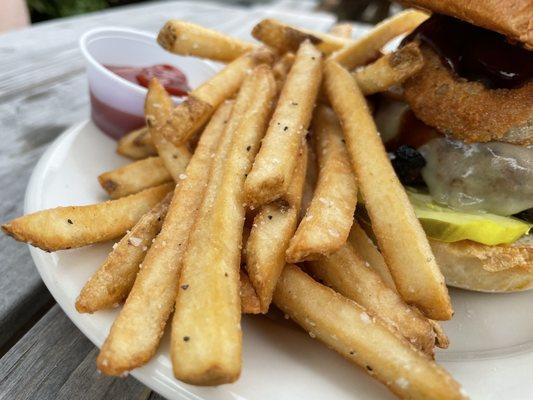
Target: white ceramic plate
[[491, 334]]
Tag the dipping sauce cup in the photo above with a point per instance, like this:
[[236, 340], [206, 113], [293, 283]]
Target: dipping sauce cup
[[117, 104]]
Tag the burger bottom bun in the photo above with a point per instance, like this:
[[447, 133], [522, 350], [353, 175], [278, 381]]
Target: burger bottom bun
[[474, 266]]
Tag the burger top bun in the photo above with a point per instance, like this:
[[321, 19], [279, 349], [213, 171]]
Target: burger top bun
[[512, 18]]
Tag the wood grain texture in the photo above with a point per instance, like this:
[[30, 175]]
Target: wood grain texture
[[55, 361]]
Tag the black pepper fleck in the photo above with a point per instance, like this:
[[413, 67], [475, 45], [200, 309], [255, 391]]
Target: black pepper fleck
[[352, 353], [343, 141], [249, 148], [368, 367], [70, 221], [270, 217], [186, 338], [184, 287], [285, 128]]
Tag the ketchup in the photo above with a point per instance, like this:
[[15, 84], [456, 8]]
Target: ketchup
[[116, 123], [475, 53], [174, 81]]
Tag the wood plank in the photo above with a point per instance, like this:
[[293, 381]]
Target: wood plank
[[48, 52], [86, 383], [29, 124], [55, 361]]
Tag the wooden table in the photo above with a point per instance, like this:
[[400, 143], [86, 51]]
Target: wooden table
[[42, 92]]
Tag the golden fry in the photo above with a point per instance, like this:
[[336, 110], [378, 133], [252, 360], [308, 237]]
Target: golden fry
[[286, 38], [189, 39], [249, 300], [389, 70], [112, 282], [350, 275], [272, 229], [364, 246], [136, 144], [368, 47], [192, 114], [328, 220], [345, 327], [134, 177], [64, 228], [206, 334], [343, 30], [274, 165], [400, 236], [281, 69], [136, 332], [157, 109]]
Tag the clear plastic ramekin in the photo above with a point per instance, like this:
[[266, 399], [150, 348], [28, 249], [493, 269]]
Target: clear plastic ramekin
[[117, 105]]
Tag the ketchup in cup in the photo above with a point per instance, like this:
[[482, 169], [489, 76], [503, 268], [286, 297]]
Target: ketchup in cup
[[117, 123]]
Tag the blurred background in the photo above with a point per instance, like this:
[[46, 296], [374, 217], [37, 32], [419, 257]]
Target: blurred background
[[19, 13]]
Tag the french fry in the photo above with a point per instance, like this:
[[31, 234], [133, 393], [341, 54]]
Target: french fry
[[134, 177], [272, 229], [389, 70], [328, 220], [346, 327], [285, 38], [136, 144], [192, 114], [136, 332], [368, 47], [350, 275], [63, 228], [157, 109], [206, 335], [399, 234], [310, 180], [274, 165], [343, 30], [364, 246], [249, 300], [281, 69], [112, 282], [188, 39]]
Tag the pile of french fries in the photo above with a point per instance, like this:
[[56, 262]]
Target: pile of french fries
[[243, 196]]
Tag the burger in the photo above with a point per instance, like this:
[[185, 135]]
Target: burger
[[461, 139]]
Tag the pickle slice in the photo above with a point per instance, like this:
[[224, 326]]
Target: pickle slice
[[448, 225]]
